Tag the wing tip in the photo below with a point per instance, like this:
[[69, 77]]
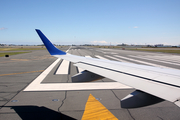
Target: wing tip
[[50, 47]]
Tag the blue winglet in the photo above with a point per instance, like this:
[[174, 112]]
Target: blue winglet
[[50, 47]]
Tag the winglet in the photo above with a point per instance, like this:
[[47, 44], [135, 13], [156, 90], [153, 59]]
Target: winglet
[[50, 47]]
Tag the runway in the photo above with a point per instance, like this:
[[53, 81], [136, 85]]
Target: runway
[[37, 86]]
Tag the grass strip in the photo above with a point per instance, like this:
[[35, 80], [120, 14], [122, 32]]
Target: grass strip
[[25, 48], [19, 49], [11, 53], [163, 51]]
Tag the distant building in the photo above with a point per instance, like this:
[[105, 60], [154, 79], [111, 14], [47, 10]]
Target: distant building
[[3, 45], [150, 45], [122, 44], [159, 45]]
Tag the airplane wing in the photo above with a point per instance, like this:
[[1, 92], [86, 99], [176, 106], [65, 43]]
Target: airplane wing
[[152, 84]]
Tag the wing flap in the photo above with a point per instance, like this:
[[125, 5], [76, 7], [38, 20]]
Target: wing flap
[[177, 103], [158, 89], [139, 99]]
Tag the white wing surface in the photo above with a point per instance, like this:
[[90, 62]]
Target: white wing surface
[[150, 82]]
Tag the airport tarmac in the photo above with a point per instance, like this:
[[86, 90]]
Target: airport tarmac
[[38, 86]]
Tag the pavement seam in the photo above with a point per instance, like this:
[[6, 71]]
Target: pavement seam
[[160, 118], [62, 102], [120, 106], [13, 97], [130, 114], [64, 96], [120, 103]]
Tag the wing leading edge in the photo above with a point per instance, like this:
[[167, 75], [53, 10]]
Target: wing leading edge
[[152, 83]]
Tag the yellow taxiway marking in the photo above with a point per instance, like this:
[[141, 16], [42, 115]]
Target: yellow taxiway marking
[[21, 73], [20, 59], [94, 110]]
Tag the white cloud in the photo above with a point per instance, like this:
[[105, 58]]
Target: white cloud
[[99, 42], [135, 27], [3, 28]]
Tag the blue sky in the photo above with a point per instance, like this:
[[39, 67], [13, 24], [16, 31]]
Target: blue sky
[[90, 21]]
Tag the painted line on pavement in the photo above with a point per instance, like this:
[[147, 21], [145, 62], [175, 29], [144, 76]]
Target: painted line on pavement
[[36, 85], [143, 62], [63, 68], [155, 60], [75, 86], [163, 58], [37, 82], [21, 73], [117, 59], [100, 57], [88, 56]]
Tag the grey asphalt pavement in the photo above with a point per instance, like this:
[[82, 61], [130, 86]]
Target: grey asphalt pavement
[[18, 71]]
